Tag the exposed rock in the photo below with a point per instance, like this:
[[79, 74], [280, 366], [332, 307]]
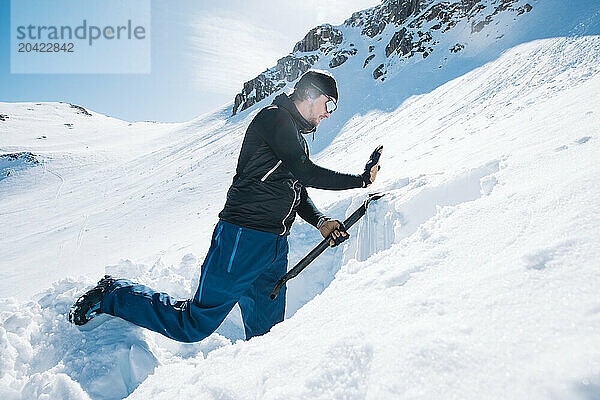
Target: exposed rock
[[288, 69], [457, 47], [414, 27], [503, 6], [324, 38], [319, 36], [378, 71], [447, 14], [80, 110], [340, 57], [374, 20], [3, 117], [407, 43], [526, 8], [477, 27], [398, 42], [337, 61], [26, 156]]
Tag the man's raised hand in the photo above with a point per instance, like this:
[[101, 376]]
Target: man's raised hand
[[372, 167]]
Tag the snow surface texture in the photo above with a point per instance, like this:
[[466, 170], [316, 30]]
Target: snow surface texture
[[475, 277], [480, 276]]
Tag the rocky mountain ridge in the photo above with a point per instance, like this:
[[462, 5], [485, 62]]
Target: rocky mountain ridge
[[393, 30]]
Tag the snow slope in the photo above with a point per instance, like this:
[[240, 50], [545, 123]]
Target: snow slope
[[479, 275], [106, 190], [475, 277]]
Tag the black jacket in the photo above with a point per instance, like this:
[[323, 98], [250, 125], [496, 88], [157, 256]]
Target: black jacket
[[273, 171]]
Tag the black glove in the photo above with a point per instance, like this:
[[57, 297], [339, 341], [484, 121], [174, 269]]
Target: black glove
[[334, 230], [341, 238], [373, 160]]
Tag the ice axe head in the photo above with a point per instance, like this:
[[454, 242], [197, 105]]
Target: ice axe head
[[373, 197]]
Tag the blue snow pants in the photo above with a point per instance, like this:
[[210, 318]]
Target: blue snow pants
[[242, 266]]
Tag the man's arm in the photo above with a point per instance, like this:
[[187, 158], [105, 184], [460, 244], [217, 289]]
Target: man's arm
[[309, 212], [307, 209], [278, 131]]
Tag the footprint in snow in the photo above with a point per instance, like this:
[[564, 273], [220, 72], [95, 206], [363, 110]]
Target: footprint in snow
[[583, 140], [547, 257]]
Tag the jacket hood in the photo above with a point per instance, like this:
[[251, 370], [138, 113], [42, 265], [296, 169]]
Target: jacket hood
[[284, 101]]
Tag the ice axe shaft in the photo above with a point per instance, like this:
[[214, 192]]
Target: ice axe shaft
[[320, 248]]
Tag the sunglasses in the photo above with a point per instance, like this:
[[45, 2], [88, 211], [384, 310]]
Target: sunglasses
[[331, 105]]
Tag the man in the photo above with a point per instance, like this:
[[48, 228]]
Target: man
[[249, 248]]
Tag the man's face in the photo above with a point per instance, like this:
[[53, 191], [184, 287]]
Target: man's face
[[318, 110]]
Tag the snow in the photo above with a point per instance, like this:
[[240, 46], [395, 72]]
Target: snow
[[475, 276]]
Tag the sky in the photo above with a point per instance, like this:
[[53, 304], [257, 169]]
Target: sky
[[201, 54]]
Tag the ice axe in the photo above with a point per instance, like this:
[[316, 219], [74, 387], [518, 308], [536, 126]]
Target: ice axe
[[320, 248]]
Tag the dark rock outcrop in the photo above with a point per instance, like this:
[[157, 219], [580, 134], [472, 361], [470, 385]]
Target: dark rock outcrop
[[477, 27], [337, 60], [413, 25], [321, 36], [80, 110], [399, 42], [341, 57], [457, 47], [378, 71], [374, 20], [324, 38], [26, 156], [288, 69]]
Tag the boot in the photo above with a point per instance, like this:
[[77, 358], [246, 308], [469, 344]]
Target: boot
[[88, 305]]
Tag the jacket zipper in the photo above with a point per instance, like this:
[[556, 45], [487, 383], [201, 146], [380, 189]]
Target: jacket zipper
[[235, 245], [291, 208], [270, 171]]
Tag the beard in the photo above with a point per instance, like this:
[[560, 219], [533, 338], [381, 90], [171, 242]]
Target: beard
[[315, 119]]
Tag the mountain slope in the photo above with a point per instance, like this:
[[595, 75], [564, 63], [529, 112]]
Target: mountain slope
[[107, 190], [506, 23], [386, 37], [476, 276], [488, 287]]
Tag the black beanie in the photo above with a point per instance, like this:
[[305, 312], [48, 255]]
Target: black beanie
[[321, 79]]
